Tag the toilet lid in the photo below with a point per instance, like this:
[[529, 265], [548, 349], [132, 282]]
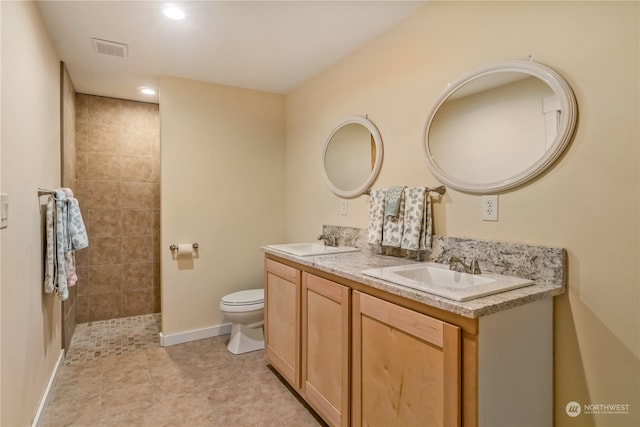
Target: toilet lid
[[250, 296]]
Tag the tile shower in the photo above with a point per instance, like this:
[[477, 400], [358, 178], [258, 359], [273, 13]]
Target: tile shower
[[118, 187]]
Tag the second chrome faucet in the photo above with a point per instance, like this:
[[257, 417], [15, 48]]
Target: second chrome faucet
[[472, 268]]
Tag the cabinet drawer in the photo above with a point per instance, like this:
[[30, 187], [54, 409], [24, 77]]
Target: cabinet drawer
[[288, 273]]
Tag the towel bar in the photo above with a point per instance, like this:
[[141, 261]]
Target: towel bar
[[440, 190]]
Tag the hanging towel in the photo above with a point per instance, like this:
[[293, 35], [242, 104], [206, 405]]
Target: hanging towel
[[376, 216], [65, 232], [414, 214], [392, 201], [393, 226], [78, 238], [426, 238], [61, 244], [50, 233]]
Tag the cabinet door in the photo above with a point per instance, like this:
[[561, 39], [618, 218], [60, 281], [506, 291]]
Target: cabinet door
[[282, 320], [325, 348], [406, 366]]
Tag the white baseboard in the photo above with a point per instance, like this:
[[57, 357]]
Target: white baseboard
[[48, 391], [193, 335]]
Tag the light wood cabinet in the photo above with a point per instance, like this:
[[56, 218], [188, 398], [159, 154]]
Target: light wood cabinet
[[406, 366], [325, 348], [364, 357], [282, 320]]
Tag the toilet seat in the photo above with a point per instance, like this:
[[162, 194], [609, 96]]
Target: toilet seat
[[248, 297]]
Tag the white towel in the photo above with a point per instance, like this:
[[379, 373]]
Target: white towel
[[376, 216]]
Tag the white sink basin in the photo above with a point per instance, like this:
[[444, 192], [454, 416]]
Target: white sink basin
[[439, 280], [311, 248]]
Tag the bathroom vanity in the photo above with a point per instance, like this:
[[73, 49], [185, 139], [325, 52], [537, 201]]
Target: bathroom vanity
[[364, 351]]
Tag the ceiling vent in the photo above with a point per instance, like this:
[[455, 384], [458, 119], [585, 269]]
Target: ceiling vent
[[106, 47]]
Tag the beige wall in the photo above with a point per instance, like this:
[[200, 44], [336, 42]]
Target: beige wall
[[588, 203], [222, 161], [31, 320]]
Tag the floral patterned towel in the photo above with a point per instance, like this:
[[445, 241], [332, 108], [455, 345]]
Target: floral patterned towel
[[65, 232], [414, 213], [376, 216]]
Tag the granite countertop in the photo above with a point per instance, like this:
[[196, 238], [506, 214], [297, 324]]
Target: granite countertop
[[350, 265]]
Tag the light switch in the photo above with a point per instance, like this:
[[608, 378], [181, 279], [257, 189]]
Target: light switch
[[4, 210]]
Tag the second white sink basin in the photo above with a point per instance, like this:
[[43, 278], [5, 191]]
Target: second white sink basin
[[311, 248], [439, 280]]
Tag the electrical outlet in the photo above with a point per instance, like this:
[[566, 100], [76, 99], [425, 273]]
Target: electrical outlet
[[490, 208], [344, 207]]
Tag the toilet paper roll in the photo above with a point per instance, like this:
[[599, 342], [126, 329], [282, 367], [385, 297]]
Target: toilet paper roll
[[185, 249]]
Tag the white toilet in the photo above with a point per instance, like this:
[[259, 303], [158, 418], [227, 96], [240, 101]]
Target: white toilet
[[245, 310]]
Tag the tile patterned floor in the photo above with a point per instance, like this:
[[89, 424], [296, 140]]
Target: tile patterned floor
[[116, 374], [114, 337]]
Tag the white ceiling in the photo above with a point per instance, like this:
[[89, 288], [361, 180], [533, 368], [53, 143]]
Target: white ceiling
[[272, 46]]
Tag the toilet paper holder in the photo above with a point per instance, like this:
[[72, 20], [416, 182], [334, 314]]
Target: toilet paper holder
[[174, 247]]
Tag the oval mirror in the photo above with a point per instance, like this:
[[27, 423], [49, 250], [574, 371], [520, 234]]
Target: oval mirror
[[352, 157], [499, 127]]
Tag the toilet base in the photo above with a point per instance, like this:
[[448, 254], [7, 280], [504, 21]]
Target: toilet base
[[245, 339]]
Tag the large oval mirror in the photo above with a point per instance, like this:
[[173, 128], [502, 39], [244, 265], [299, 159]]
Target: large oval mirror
[[352, 157], [499, 127]]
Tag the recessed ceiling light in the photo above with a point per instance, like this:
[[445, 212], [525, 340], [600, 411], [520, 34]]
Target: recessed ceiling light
[[173, 12], [147, 91]]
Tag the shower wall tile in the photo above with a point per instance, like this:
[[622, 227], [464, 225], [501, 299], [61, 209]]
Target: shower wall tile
[[103, 279], [137, 168], [137, 195], [156, 196], [136, 301], [118, 185], [104, 250], [99, 194], [156, 222], [82, 165], [82, 137], [105, 306], [135, 249], [104, 222], [82, 257], [137, 222], [138, 275], [137, 141], [155, 169], [103, 167], [104, 139], [105, 111], [82, 309], [82, 108], [156, 249], [157, 300]]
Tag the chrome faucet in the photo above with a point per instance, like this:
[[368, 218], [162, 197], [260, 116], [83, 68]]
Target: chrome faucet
[[472, 268], [329, 240]]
